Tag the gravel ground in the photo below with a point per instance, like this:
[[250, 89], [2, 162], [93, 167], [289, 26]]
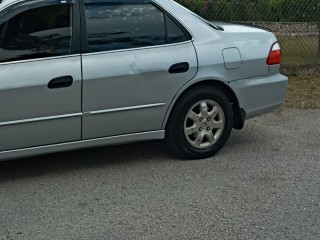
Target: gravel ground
[[265, 184]]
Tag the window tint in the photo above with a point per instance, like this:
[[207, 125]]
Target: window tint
[[113, 26], [175, 33], [36, 33]]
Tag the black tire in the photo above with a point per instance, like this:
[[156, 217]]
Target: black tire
[[175, 129]]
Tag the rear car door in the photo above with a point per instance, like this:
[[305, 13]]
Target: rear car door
[[137, 58], [40, 74]]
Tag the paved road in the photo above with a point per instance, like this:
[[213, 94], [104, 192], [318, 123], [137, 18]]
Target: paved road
[[265, 184]]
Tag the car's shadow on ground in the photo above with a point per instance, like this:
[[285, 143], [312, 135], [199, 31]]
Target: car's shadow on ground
[[86, 158], [135, 153]]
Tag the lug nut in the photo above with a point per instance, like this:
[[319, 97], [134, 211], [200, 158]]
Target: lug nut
[[208, 128], [209, 119], [200, 129], [201, 119]]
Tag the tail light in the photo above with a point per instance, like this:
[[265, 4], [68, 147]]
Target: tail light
[[275, 54]]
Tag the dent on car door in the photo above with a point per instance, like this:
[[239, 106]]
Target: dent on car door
[[40, 77], [138, 57]]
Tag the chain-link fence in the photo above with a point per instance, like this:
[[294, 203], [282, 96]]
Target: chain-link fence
[[295, 22]]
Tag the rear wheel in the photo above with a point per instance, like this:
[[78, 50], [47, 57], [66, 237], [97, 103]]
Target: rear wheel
[[200, 124]]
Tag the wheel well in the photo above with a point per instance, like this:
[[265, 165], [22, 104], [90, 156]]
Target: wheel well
[[220, 86], [238, 113]]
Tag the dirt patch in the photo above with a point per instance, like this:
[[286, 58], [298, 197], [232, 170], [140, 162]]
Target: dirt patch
[[304, 92]]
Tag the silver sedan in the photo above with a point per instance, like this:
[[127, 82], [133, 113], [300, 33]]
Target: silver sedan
[[77, 74]]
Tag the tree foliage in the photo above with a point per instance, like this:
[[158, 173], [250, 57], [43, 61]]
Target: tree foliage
[[256, 10]]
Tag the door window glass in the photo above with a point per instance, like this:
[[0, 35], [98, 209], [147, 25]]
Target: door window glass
[[37, 33], [113, 26]]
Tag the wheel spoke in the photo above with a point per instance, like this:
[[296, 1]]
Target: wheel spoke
[[199, 139], [211, 138], [214, 112], [204, 109], [193, 116], [191, 130], [217, 125]]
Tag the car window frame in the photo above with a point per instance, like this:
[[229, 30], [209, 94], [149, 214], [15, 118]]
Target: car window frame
[[166, 14], [21, 6]]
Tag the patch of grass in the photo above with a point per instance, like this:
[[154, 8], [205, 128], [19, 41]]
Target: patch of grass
[[295, 70], [299, 49], [304, 92]]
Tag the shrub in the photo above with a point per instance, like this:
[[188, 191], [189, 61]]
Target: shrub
[[256, 10]]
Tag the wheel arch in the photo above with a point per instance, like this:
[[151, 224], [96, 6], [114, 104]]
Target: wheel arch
[[238, 113]]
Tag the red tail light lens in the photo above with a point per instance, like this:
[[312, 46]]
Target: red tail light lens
[[275, 55]]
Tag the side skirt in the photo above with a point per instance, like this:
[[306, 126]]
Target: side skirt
[[107, 141]]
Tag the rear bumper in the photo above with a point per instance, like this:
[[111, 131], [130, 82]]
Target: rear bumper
[[260, 95]]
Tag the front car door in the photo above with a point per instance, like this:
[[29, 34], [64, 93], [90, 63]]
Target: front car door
[[137, 58], [40, 75]]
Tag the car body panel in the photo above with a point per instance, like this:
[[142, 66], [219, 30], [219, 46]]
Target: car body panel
[[260, 95], [209, 44], [31, 113], [129, 91], [232, 58], [76, 145]]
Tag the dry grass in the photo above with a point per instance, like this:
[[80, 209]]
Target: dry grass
[[300, 54], [304, 92]]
